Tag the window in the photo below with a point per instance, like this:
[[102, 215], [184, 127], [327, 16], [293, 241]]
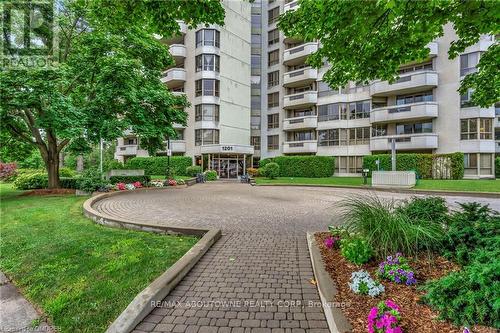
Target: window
[[415, 68], [357, 110], [413, 128], [208, 112], [328, 112], [255, 142], [379, 130], [272, 15], [256, 39], [468, 63], [414, 98], [255, 20], [301, 136], [207, 87], [130, 141], [273, 142], [359, 135], [206, 137], [273, 100], [273, 58], [273, 120], [273, 79], [470, 163], [208, 37], [469, 129], [207, 62], [328, 137], [301, 113], [255, 122], [465, 99], [179, 134], [273, 37]]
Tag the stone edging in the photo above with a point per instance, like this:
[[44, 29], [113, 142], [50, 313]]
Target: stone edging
[[144, 302], [399, 190], [327, 290]]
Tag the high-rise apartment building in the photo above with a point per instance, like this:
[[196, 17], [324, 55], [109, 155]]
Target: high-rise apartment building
[[272, 103]]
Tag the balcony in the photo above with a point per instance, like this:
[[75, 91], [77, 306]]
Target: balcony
[[300, 77], [179, 38], [407, 83], [296, 123], [300, 147], [415, 111], [178, 146], [174, 77], [126, 150], [292, 5], [178, 52], [305, 98], [477, 112], [420, 141], [497, 147], [297, 55]]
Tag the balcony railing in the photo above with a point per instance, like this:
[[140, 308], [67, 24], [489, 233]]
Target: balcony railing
[[408, 83], [415, 141], [300, 77], [300, 147], [415, 111], [301, 99], [305, 122], [174, 77], [298, 54]]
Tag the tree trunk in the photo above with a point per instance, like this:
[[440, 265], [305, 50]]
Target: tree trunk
[[52, 166]]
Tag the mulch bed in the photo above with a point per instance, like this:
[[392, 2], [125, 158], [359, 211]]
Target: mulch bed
[[46, 191], [415, 317]]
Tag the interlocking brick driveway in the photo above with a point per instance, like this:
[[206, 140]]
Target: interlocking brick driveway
[[256, 277]]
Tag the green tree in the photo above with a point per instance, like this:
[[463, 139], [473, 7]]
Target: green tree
[[106, 78], [368, 40]]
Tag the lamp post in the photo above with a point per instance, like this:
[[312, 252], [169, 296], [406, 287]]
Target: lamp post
[[169, 153], [393, 154]]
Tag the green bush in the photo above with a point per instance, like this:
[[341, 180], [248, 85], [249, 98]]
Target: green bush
[[470, 296], [113, 165], [387, 230], [193, 170], [271, 170], [129, 179], [497, 167], [158, 165], [69, 182], [429, 209], [91, 181], [303, 166], [422, 164], [356, 250], [66, 172], [211, 175], [31, 181], [473, 227]]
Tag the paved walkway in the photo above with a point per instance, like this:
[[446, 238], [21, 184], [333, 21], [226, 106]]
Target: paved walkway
[[256, 278]]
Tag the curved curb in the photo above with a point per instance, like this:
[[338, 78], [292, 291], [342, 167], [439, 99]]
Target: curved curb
[[144, 302], [327, 290], [394, 190]]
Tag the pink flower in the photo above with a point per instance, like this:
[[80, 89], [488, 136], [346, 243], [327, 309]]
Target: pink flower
[[121, 186], [137, 184], [329, 242], [392, 305]]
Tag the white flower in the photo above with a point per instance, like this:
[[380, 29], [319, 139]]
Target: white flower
[[362, 278]]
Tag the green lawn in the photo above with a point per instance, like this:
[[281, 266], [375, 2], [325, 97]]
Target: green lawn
[[472, 185], [81, 274]]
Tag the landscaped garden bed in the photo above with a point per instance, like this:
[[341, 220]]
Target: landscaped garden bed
[[445, 280]]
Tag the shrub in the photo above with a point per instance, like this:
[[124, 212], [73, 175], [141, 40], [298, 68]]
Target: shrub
[[129, 179], [362, 283], [356, 250], [66, 172], [424, 210], [193, 170], [385, 229], [7, 171], [158, 165], [91, 181], [384, 318], [302, 166], [113, 165], [253, 172], [473, 227], [426, 166], [271, 170], [69, 182], [396, 269], [211, 175], [31, 181], [468, 297]]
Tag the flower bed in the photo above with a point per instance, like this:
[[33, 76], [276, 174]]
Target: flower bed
[[415, 317]]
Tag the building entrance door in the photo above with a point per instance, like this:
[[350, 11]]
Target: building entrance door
[[227, 167]]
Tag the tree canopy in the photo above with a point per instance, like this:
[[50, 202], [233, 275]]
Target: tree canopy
[[106, 76], [368, 40]]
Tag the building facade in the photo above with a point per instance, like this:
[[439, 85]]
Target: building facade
[[272, 103]]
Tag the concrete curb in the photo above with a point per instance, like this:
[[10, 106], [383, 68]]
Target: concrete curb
[[145, 301], [394, 190], [327, 290]]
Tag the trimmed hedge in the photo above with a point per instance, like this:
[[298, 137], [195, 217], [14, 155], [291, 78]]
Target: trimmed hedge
[[129, 179], [421, 163], [193, 170], [497, 167], [303, 166], [158, 165], [40, 180]]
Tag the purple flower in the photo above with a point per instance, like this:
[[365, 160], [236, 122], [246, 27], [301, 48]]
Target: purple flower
[[329, 242], [466, 330]]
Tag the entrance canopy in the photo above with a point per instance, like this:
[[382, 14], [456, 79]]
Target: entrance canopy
[[227, 149]]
